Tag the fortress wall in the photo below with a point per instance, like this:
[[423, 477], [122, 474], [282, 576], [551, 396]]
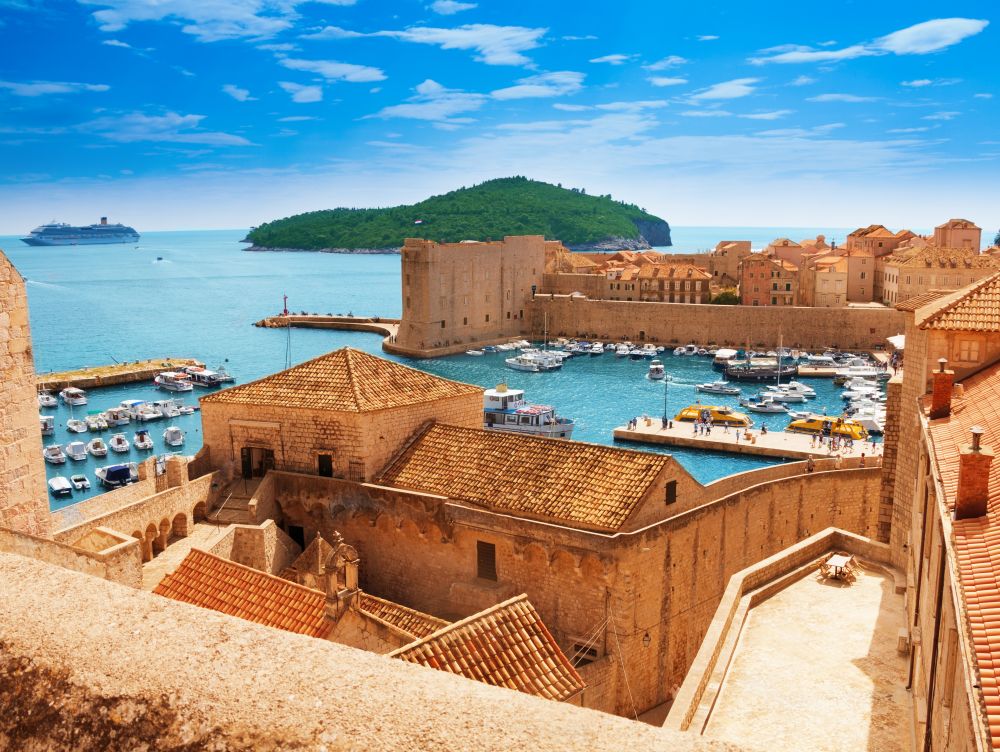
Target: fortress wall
[[813, 328]]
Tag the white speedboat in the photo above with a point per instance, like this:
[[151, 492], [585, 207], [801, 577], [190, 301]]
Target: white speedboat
[[45, 399], [690, 349], [174, 381], [59, 486], [780, 395], [825, 360], [54, 454], [47, 424], [798, 386], [119, 443], [117, 416], [142, 440], [505, 410], [622, 351], [147, 412], [636, 353], [97, 447], [168, 408], [132, 406], [597, 349], [96, 422], [115, 476], [610, 347], [73, 396], [865, 372], [173, 436], [223, 375], [761, 405], [718, 387], [474, 352], [534, 362], [656, 370], [678, 351], [76, 426], [76, 451], [702, 351], [80, 482], [648, 351]]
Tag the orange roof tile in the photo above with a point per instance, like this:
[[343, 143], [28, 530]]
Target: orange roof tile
[[587, 484], [346, 380], [932, 256], [230, 588], [408, 620], [974, 308], [919, 301], [506, 646]]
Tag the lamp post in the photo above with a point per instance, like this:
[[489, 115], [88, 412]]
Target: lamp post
[[666, 378]]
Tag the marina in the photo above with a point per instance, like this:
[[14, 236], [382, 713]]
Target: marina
[[92, 377]]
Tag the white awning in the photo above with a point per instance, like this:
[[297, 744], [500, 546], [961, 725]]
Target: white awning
[[898, 341]]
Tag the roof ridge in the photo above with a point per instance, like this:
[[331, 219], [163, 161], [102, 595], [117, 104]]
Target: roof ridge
[[951, 301], [478, 616], [349, 364], [240, 387], [267, 575]]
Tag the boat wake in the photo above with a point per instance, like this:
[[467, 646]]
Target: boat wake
[[47, 285]]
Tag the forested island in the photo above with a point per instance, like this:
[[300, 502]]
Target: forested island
[[490, 210]]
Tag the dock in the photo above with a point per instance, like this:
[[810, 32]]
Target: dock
[[388, 328], [817, 372], [118, 373], [783, 444]]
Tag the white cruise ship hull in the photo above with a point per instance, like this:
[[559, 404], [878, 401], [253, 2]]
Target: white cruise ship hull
[[115, 240]]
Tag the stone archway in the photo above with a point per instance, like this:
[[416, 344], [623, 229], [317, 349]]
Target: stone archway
[[179, 526], [144, 548], [200, 512], [164, 534], [151, 541]]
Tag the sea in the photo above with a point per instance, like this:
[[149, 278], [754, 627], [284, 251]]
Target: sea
[[197, 293]]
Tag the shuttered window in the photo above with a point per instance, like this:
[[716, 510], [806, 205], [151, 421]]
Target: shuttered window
[[486, 561], [671, 495]]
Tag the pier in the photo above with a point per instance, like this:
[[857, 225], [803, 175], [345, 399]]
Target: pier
[[784, 444], [118, 373], [388, 328]]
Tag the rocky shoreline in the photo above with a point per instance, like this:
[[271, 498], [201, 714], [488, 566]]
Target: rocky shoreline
[[363, 251]]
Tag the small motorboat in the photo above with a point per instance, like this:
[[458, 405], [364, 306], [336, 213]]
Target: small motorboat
[[476, 353], [224, 377], [678, 351], [142, 440], [80, 482], [119, 443], [45, 399], [610, 347], [73, 396], [534, 362], [117, 416], [148, 412], [622, 351], [763, 405], [97, 447], [636, 353], [54, 454], [690, 349], [96, 422], [660, 349], [76, 426], [798, 386], [648, 351], [169, 408], [76, 451], [173, 436], [59, 486], [115, 476], [490, 349], [702, 351], [781, 395], [718, 387], [597, 349], [47, 424], [656, 370]]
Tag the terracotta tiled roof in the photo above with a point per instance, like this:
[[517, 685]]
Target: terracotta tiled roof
[[963, 224], [346, 380], [595, 486], [977, 540], [506, 646], [974, 308], [936, 257], [671, 271], [919, 301], [412, 622], [865, 231], [230, 588]]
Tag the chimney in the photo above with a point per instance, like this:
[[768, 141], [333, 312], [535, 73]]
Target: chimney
[[973, 478], [944, 381], [104, 220]]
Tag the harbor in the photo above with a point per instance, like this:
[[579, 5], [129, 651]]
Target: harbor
[[93, 377]]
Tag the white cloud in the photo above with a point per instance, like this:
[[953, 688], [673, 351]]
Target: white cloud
[[734, 89], [571, 38], [570, 107], [296, 118], [670, 61], [666, 81], [169, 127], [614, 59], [240, 95], [909, 130], [434, 102], [802, 81], [983, 95], [707, 38], [450, 7], [773, 115], [918, 83], [208, 21], [278, 47], [852, 98], [493, 45], [706, 113], [942, 116], [117, 43], [42, 88], [302, 94], [333, 70], [555, 84], [919, 39], [635, 106]]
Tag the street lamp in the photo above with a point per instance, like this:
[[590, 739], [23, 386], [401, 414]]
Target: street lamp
[[666, 378]]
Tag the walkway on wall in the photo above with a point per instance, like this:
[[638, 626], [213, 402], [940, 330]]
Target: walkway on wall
[[388, 328], [202, 536]]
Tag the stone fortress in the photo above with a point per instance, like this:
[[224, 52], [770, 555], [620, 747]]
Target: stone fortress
[[349, 517]]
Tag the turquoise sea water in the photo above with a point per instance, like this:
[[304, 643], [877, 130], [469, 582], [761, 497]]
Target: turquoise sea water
[[196, 294]]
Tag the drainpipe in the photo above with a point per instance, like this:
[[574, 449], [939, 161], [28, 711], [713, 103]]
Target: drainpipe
[[932, 682]]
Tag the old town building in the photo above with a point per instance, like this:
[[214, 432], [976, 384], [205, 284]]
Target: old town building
[[823, 281], [911, 272], [768, 281]]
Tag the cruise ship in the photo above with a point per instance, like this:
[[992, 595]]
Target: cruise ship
[[60, 233]]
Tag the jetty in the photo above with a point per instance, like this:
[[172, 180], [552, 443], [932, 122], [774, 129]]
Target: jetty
[[818, 372], [784, 444], [92, 377], [388, 328]]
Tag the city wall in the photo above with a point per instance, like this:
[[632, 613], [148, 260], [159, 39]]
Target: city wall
[[105, 553]]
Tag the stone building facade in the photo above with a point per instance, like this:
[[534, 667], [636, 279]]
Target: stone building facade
[[768, 281], [823, 281]]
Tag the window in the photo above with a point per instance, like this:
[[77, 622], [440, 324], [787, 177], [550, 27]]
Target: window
[[788, 287], [968, 350], [864, 275], [356, 471], [442, 323], [508, 314], [487, 318], [583, 653], [486, 561], [774, 301], [465, 320], [671, 496], [324, 465]]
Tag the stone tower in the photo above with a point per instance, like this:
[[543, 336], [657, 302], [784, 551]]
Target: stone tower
[[24, 504]]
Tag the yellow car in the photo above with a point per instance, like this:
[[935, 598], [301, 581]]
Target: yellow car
[[827, 425], [716, 413]]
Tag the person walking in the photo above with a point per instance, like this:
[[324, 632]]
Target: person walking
[[838, 462], [862, 463], [810, 465]]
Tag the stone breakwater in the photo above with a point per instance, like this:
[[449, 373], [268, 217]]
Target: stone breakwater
[[360, 251]]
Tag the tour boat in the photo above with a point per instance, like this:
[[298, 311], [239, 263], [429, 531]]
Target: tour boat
[[45, 399], [722, 357], [142, 440], [117, 416], [59, 486], [119, 443], [48, 424], [76, 451], [54, 454], [97, 447], [115, 476], [76, 426], [73, 396], [622, 351], [534, 362], [656, 370], [96, 422], [716, 413], [202, 376], [474, 352], [505, 410], [759, 369], [223, 375], [173, 436], [80, 482], [597, 349], [174, 381], [761, 404], [718, 387], [826, 425]]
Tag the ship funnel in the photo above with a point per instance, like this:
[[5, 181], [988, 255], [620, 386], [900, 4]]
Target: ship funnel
[[104, 220]]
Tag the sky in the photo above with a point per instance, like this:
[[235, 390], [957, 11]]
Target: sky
[[190, 114]]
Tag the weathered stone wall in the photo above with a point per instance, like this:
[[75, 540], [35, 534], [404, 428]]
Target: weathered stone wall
[[108, 502], [24, 500], [119, 562], [890, 450], [851, 328], [359, 630]]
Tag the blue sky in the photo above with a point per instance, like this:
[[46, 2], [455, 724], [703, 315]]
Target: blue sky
[[223, 113]]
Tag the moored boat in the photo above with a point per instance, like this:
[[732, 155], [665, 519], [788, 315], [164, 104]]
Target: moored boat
[[716, 414], [45, 399], [73, 396], [80, 482], [534, 362], [76, 451], [718, 387], [759, 369], [96, 422], [173, 436], [505, 410], [48, 424], [59, 486], [142, 440], [54, 454], [174, 381], [474, 352], [117, 416], [76, 426], [622, 351], [97, 448], [203, 377], [761, 404], [115, 476], [825, 425], [119, 443]]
